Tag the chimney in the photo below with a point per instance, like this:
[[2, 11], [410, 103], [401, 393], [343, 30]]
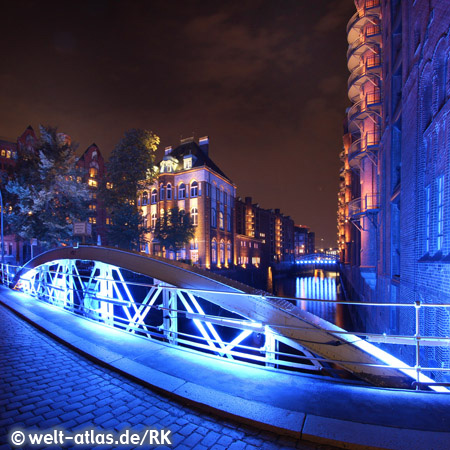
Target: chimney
[[204, 144]]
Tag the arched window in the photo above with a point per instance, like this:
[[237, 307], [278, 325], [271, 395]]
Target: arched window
[[229, 252], [169, 191], [221, 224], [228, 222], [154, 196], [153, 220], [213, 218], [161, 193], [194, 216], [222, 252], [144, 199], [194, 189], [182, 191], [214, 251], [139, 200]]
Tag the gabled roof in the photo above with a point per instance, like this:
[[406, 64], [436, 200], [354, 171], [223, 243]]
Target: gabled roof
[[201, 158]]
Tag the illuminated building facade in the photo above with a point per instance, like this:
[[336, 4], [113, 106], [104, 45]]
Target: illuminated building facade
[[93, 165], [263, 236], [394, 202], [190, 180], [304, 241]]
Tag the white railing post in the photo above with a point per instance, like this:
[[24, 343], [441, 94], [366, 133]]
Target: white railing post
[[417, 338]]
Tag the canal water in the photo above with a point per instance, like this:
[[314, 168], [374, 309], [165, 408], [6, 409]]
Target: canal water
[[315, 285]]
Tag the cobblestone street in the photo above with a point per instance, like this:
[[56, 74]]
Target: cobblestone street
[[46, 385]]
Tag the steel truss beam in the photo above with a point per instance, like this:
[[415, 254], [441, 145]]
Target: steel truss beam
[[99, 291]]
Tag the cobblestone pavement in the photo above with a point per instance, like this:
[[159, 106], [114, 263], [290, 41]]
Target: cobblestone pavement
[[45, 385]]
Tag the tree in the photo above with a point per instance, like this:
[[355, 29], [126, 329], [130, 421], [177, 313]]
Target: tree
[[131, 162], [174, 230], [44, 197]]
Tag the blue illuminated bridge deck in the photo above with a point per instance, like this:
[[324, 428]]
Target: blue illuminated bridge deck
[[312, 407]]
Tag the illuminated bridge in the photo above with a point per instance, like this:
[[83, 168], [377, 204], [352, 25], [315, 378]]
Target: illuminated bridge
[[181, 306], [317, 259]]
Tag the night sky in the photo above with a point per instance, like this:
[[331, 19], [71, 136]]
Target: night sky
[[265, 80]]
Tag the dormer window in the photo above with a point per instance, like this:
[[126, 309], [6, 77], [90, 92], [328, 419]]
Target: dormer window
[[188, 162]]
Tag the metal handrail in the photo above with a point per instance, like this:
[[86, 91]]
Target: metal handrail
[[367, 68], [362, 13], [370, 201]]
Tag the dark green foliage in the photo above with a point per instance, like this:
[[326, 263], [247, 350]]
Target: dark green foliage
[[44, 198], [174, 230], [132, 161]]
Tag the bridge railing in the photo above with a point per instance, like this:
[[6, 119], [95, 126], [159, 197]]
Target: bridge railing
[[182, 317]]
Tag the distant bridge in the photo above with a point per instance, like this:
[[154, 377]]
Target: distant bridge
[[317, 259], [192, 308]]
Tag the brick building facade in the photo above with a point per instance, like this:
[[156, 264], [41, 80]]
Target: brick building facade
[[190, 180], [394, 203]]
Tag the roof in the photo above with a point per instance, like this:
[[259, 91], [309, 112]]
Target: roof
[[202, 159]]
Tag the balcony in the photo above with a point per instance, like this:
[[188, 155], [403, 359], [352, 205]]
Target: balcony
[[362, 147], [369, 38], [368, 11], [362, 206], [370, 106], [369, 70]]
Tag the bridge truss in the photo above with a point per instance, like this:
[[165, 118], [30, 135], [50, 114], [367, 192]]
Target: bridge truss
[[160, 311]]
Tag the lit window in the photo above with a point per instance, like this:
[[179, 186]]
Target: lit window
[[154, 198], [182, 191], [8, 154], [221, 224], [144, 199], [153, 222], [229, 222], [214, 251], [194, 216], [93, 172], [161, 193], [3, 152], [194, 189], [427, 218], [108, 221], [213, 218], [109, 185], [229, 252], [222, 252], [92, 183], [225, 198], [440, 205], [187, 163], [169, 191]]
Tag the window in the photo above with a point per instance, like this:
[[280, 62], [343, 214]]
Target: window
[[3, 152], [427, 218], [194, 216], [154, 196], [213, 218], [229, 252], [194, 189], [161, 193], [153, 221], [169, 191], [221, 224], [440, 211], [225, 198], [222, 252], [182, 191], [187, 163], [214, 251], [92, 183], [108, 185], [93, 172], [229, 222], [144, 199]]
